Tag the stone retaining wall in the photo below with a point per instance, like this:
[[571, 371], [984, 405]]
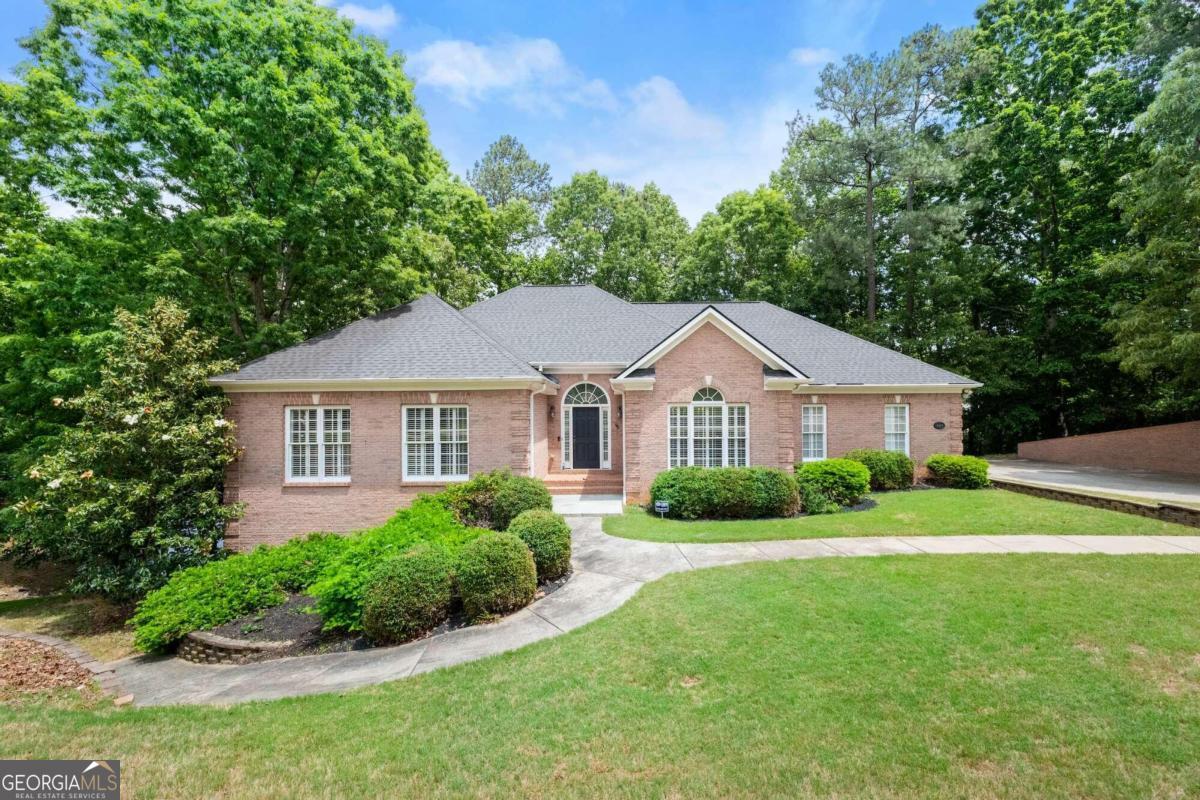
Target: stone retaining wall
[[1161, 511], [203, 647]]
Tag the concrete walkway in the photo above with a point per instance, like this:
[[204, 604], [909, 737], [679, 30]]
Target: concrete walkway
[[1154, 487], [608, 571]]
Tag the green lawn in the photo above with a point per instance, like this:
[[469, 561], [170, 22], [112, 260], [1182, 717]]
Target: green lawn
[[932, 512], [1016, 676], [90, 623]]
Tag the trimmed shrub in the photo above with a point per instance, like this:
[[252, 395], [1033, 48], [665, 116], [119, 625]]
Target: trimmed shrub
[[889, 470], [725, 492], [210, 595], [548, 537], [493, 499], [813, 502], [839, 480], [341, 587], [958, 472], [496, 574], [408, 594], [516, 495]]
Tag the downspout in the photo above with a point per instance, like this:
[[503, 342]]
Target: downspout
[[624, 452]]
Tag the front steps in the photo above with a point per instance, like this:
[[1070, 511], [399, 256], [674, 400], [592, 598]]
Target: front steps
[[584, 482]]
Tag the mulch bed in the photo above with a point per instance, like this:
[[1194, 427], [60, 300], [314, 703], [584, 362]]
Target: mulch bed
[[31, 667], [297, 620]]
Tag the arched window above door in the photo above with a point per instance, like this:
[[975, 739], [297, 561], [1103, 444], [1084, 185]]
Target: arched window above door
[[585, 394], [585, 428]]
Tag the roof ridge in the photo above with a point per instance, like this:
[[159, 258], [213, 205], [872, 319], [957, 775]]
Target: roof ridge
[[483, 333]]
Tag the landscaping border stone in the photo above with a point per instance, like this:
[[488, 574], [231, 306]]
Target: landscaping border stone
[[103, 673], [1165, 512], [205, 647]]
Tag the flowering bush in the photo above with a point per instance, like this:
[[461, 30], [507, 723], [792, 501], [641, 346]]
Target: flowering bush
[[133, 492]]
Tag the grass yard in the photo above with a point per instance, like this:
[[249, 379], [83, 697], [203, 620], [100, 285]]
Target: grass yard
[[1016, 676], [931, 512], [90, 623]]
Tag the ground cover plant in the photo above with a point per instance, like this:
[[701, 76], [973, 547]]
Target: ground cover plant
[[906, 677], [922, 512]]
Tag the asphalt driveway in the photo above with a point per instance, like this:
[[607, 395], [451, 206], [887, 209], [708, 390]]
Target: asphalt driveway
[[1136, 484]]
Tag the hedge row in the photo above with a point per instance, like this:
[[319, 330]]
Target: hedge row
[[726, 492]]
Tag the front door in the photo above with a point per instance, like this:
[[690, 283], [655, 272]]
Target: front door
[[585, 438]]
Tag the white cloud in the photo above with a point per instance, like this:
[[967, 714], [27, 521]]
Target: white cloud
[[525, 70], [811, 56], [380, 19], [660, 108]]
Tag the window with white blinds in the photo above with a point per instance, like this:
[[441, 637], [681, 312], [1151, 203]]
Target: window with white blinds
[[895, 428], [812, 432], [318, 444], [708, 433], [436, 443]]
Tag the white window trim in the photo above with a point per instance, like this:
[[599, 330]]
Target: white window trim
[[566, 427], [824, 432], [691, 426], [437, 476], [907, 427], [320, 477]]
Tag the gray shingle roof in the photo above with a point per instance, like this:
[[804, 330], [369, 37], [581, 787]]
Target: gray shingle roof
[[424, 339], [569, 324], [501, 338]]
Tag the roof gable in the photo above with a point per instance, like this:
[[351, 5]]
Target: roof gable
[[710, 315]]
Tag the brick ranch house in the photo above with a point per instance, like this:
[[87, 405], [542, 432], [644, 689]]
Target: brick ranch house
[[571, 384]]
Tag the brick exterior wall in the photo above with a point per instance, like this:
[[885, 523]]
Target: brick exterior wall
[[852, 420], [1162, 448], [277, 511]]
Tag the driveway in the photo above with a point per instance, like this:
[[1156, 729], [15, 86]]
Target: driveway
[[607, 572], [1137, 484]]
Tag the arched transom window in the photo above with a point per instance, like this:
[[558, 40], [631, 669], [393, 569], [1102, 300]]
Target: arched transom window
[[585, 428], [708, 432]]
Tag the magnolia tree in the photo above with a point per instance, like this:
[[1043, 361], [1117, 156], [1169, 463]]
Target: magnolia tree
[[133, 493]]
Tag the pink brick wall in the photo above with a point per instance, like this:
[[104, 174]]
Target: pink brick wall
[[1162, 448], [276, 512], [852, 420]]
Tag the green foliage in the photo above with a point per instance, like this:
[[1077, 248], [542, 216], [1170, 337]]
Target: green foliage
[[516, 495], [133, 492], [206, 596], [838, 480], [493, 499], [548, 537], [814, 501], [889, 469], [725, 492], [958, 472], [625, 241], [496, 574], [507, 173], [341, 588], [408, 594]]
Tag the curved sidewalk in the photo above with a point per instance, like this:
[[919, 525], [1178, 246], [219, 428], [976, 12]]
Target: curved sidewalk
[[608, 571]]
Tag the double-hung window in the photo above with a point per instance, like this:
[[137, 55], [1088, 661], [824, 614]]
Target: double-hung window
[[895, 428], [708, 432], [436, 443], [318, 444], [812, 433]]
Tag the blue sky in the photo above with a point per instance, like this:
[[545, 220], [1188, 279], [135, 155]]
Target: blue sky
[[692, 96]]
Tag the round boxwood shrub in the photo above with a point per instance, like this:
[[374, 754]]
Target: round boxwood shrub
[[515, 495], [958, 472], [548, 537], [408, 594], [889, 470], [496, 574], [839, 480], [725, 493]]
